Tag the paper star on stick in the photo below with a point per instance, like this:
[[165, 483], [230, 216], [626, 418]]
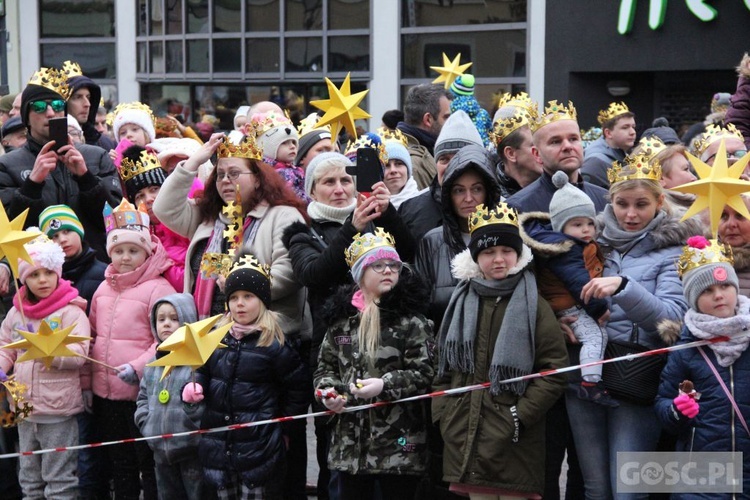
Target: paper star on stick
[[191, 345], [717, 187], [12, 238], [46, 344], [450, 70], [341, 109]]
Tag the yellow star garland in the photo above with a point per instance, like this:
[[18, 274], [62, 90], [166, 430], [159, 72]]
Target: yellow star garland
[[341, 109], [191, 345], [12, 238], [717, 187], [450, 70], [46, 344]]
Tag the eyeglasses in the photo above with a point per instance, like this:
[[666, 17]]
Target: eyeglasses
[[379, 267], [40, 107], [736, 155], [232, 175]]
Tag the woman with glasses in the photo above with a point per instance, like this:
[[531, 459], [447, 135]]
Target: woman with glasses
[[734, 230]]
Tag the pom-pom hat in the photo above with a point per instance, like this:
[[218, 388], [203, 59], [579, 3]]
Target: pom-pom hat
[[568, 202], [705, 263], [45, 253]]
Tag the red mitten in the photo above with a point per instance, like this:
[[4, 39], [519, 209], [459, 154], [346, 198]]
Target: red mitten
[[192, 393], [686, 405]]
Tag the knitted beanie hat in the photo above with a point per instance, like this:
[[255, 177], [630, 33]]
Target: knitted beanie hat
[[272, 130], [250, 276], [368, 249], [568, 202], [397, 151], [457, 132], [134, 113], [56, 218], [310, 139], [140, 169], [46, 255], [138, 237], [463, 90], [33, 92], [501, 231], [6, 103], [241, 112], [322, 160], [714, 272]]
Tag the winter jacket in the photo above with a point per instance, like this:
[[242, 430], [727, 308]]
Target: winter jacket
[[246, 383], [537, 196], [294, 177], [441, 244], [563, 265], [85, 272], [742, 268], [738, 112], [477, 427], [420, 144], [183, 217], [85, 194], [176, 247], [54, 391], [390, 439], [423, 212], [120, 322], [597, 159], [716, 427], [508, 185]]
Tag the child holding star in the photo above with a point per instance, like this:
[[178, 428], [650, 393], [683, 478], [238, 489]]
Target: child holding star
[[54, 385]]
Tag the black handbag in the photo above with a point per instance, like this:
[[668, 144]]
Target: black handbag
[[632, 380]]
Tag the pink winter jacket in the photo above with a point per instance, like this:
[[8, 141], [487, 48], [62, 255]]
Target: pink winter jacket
[[120, 322], [55, 390], [176, 247]]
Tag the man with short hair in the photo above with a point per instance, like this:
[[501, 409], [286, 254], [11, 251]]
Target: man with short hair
[[426, 108], [83, 105], [618, 137], [707, 144]]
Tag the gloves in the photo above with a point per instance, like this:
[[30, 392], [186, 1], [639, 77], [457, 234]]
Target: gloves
[[88, 401], [127, 374], [336, 404], [367, 388], [686, 405], [192, 393]]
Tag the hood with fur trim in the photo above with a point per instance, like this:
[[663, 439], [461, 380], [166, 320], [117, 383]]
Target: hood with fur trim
[[463, 266], [741, 258], [669, 331], [533, 225]]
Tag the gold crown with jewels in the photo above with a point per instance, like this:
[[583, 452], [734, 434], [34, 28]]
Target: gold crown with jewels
[[392, 135], [501, 214], [72, 69], [247, 148], [714, 133], [52, 79], [365, 141], [552, 112], [504, 126], [614, 110], [363, 243], [146, 161], [520, 100], [136, 105], [650, 147], [707, 252], [250, 262], [638, 166]]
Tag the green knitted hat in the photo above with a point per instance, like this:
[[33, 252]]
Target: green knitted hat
[[58, 217]]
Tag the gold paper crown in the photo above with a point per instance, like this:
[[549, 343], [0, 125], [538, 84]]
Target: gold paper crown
[[503, 127], [308, 124], [136, 105], [635, 166], [52, 79], [110, 119], [20, 409], [362, 244], [365, 141], [247, 148], [147, 161], [553, 112], [501, 214], [712, 134], [261, 123], [649, 147], [693, 257], [614, 110], [392, 135], [520, 100], [71, 69], [250, 262]]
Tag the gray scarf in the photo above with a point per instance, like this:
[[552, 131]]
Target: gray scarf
[[513, 355], [322, 212], [705, 326], [621, 240]]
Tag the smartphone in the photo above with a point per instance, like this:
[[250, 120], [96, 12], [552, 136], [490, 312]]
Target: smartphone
[[58, 132], [368, 169]]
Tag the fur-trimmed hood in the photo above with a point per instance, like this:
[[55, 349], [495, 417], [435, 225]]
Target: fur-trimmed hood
[[553, 245], [669, 331], [670, 233], [741, 258], [463, 266]]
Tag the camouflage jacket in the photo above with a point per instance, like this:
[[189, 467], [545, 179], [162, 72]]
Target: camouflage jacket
[[390, 439]]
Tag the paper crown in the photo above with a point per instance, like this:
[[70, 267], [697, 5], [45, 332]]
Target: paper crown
[[124, 216], [215, 264], [614, 110], [520, 100], [22, 408], [72, 69], [501, 214], [393, 135], [362, 244], [633, 167], [261, 123], [699, 251], [365, 141], [503, 127], [308, 124], [247, 148], [135, 105], [553, 112], [52, 79], [250, 262], [649, 147], [147, 161], [714, 133]]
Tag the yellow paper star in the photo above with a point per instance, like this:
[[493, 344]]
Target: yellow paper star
[[12, 238], [191, 345], [717, 187], [341, 109], [450, 70], [46, 344]]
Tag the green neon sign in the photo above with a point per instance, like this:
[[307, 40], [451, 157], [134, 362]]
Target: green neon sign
[[657, 10]]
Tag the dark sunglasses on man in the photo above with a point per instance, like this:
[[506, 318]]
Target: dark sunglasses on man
[[40, 107]]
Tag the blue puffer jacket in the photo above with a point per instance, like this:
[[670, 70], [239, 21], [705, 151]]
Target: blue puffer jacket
[[717, 427]]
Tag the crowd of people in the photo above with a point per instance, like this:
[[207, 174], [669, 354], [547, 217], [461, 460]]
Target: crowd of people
[[488, 250]]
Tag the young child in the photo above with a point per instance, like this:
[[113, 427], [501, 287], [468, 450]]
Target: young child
[[161, 410], [132, 125], [256, 376], [54, 392], [698, 385], [569, 258], [376, 349], [120, 320]]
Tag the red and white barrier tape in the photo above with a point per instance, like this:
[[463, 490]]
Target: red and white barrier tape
[[447, 392]]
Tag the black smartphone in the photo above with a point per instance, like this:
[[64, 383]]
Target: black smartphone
[[58, 132], [368, 169]]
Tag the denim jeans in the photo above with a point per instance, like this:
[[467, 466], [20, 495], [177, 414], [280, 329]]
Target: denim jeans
[[600, 432], [183, 479]]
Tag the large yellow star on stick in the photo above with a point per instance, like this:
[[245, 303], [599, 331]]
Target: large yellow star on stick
[[191, 344], [46, 344], [717, 187], [341, 109], [12, 238], [450, 70]]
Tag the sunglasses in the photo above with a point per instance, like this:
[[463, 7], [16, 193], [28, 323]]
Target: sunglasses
[[57, 105], [736, 155]]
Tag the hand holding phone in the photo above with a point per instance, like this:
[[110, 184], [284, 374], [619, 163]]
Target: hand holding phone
[[368, 170], [58, 132]]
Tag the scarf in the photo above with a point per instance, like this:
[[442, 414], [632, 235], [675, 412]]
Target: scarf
[[322, 212], [240, 331], [425, 138], [705, 326], [59, 298], [409, 191], [513, 355], [621, 240]]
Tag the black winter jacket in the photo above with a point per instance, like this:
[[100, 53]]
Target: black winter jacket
[[85, 272], [423, 212]]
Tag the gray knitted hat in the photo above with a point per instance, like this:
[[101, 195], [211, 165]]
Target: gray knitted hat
[[695, 281], [568, 202], [458, 131], [323, 159]]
